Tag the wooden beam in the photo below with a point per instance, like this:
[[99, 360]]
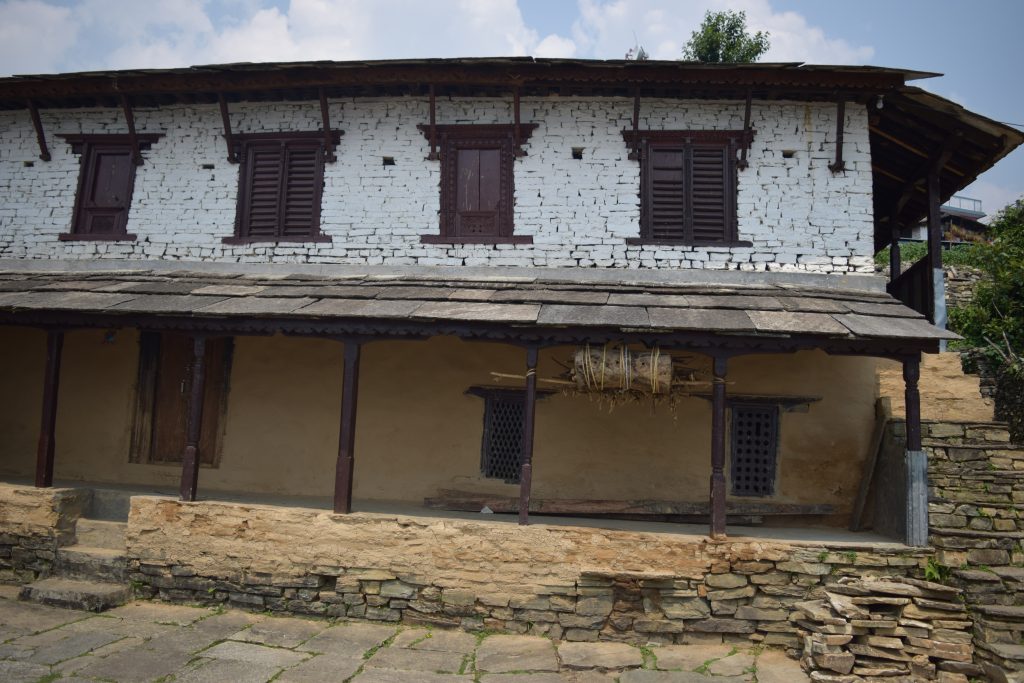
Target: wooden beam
[[840, 164], [194, 421], [133, 136], [529, 411], [742, 164], [516, 138], [910, 148], [329, 155], [895, 266], [877, 437], [718, 405], [936, 275], [345, 469], [934, 164], [225, 118], [48, 423], [37, 123], [433, 156], [634, 155]]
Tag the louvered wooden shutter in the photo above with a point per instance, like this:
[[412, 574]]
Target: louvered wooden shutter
[[708, 194], [105, 190], [281, 197], [687, 192]]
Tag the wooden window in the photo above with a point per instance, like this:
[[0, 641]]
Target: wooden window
[[477, 188], [502, 446], [105, 184], [164, 385], [281, 178], [688, 187], [754, 444]]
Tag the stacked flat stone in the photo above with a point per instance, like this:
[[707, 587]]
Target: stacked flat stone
[[893, 629], [998, 634]]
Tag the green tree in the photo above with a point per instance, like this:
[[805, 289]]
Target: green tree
[[723, 37], [996, 313]]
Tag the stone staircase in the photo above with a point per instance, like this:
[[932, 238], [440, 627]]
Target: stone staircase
[[89, 575], [976, 505]]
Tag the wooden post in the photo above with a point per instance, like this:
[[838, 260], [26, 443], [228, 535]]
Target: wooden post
[[529, 410], [347, 433], [894, 249], [325, 116], [194, 423], [433, 156], [742, 164], [938, 280], [839, 164], [48, 424], [916, 459], [516, 137], [634, 154], [718, 448]]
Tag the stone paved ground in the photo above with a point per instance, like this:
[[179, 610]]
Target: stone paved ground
[[169, 643]]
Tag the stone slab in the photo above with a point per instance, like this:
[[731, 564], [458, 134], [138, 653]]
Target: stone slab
[[903, 328], [402, 659], [599, 655], [552, 296], [64, 643], [797, 323], [142, 664], [650, 299], [223, 670], [773, 666], [76, 301], [702, 319], [646, 676], [502, 654], [35, 618], [482, 311], [446, 640], [322, 668], [361, 308], [250, 652], [392, 676], [164, 303], [688, 657], [349, 639], [264, 305], [281, 632], [22, 672], [593, 316], [229, 290], [160, 613]]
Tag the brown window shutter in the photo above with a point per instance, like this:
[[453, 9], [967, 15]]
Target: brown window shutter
[[478, 193], [666, 193], [709, 194], [302, 182], [263, 206], [105, 191]]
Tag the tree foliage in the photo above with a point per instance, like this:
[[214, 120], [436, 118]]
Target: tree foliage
[[723, 37], [996, 313]]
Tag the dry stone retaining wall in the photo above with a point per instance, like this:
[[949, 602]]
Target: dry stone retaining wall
[[33, 524]]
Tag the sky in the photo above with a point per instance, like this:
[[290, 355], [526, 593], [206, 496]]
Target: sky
[[975, 45]]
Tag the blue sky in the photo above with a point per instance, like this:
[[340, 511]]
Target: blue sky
[[975, 45]]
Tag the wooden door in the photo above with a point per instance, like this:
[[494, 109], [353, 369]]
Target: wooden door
[[108, 187], [170, 397], [478, 193]]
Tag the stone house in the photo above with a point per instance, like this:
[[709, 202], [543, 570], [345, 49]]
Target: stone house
[[204, 271]]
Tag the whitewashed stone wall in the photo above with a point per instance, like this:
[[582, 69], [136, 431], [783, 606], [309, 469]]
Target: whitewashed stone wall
[[797, 214]]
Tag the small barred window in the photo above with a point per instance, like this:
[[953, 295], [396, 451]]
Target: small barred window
[[755, 445], [502, 446]]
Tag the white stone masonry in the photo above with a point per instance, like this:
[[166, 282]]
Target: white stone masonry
[[795, 212]]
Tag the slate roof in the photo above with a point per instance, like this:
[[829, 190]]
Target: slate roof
[[746, 304]]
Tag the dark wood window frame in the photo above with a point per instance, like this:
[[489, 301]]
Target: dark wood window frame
[[761, 481], [728, 141], [145, 408], [89, 147], [493, 395], [452, 139], [245, 147]]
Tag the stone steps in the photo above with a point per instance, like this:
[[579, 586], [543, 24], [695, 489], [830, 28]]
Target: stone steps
[[89, 563], [97, 533], [91, 596]]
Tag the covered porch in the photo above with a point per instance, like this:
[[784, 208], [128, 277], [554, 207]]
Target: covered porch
[[730, 324]]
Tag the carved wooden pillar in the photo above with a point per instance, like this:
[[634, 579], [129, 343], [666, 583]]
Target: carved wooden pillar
[[916, 459], [194, 424], [529, 410], [347, 433], [48, 424], [718, 448]]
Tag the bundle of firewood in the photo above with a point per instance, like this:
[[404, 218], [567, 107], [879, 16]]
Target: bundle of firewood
[[891, 629]]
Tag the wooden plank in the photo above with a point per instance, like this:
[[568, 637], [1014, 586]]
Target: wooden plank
[[875, 446], [190, 457], [464, 501], [718, 408], [345, 469], [48, 423], [529, 412]]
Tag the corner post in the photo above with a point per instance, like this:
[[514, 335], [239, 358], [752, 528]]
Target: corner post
[[718, 448], [347, 434], [529, 411], [916, 459], [193, 428], [938, 280], [894, 250], [48, 424]]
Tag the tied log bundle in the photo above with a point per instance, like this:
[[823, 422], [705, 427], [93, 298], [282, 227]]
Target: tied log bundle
[[620, 369]]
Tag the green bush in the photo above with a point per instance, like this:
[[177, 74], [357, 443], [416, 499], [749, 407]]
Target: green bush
[[966, 254]]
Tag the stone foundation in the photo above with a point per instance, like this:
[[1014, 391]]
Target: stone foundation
[[33, 524], [575, 583]]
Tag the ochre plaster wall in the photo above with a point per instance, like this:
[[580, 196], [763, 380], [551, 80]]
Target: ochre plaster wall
[[418, 431]]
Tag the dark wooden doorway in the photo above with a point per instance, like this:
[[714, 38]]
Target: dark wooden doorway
[[165, 381]]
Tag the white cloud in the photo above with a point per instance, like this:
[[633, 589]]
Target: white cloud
[[606, 29], [34, 36]]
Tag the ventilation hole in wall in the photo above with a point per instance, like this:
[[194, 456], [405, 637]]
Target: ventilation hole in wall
[[29, 164], [389, 161], [788, 153], [207, 167], [577, 152]]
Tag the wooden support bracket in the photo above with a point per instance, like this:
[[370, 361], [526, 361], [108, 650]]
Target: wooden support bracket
[[634, 154], [529, 412], [226, 119], [37, 123], [516, 137], [329, 155], [840, 164], [133, 136], [747, 134], [48, 424]]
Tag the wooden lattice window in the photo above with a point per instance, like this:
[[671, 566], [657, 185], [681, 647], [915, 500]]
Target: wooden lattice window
[[755, 444], [281, 180], [688, 186], [501, 446]]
